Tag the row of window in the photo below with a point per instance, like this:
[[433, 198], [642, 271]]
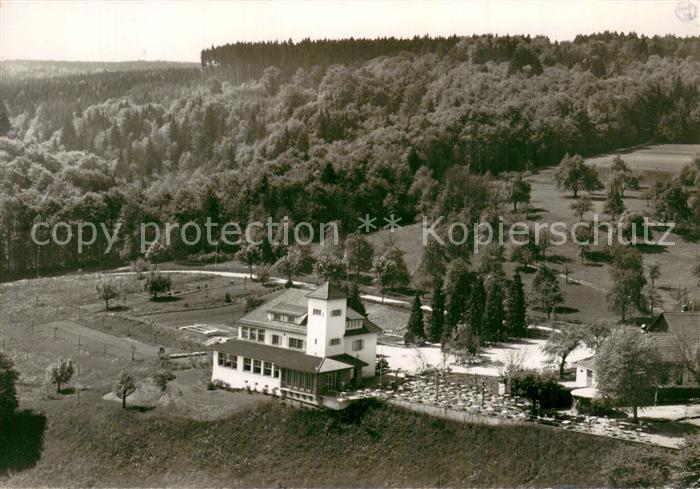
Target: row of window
[[253, 334], [284, 318], [334, 312], [249, 364]]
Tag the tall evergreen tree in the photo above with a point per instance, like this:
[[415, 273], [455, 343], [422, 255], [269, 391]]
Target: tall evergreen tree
[[475, 307], [516, 308], [458, 290], [493, 313], [437, 318], [416, 326], [354, 302]]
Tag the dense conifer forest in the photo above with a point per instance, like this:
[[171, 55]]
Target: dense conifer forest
[[322, 131]]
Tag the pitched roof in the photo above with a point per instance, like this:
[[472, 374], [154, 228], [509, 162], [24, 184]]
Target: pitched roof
[[675, 333], [290, 299], [327, 292], [282, 357], [587, 362], [350, 360]]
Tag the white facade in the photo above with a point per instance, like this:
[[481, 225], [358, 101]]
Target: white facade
[[299, 344], [237, 378], [325, 327]]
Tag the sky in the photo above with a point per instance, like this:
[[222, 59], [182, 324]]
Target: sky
[[118, 30]]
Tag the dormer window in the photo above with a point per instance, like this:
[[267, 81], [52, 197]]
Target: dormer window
[[354, 324]]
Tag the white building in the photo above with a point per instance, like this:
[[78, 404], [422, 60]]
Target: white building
[[299, 345]]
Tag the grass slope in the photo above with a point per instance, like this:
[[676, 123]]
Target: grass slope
[[272, 445]]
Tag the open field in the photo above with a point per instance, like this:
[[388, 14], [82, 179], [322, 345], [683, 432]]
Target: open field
[[586, 300]]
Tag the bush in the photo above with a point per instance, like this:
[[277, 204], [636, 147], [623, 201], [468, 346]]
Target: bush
[[162, 377], [541, 387], [252, 302], [227, 298]]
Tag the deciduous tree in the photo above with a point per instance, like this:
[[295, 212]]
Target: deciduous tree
[[574, 174], [157, 284], [124, 387], [561, 343], [60, 373], [107, 290], [628, 367], [546, 294]]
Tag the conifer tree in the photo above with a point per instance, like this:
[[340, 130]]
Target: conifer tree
[[493, 313], [416, 327], [458, 291], [475, 307], [354, 302], [516, 308], [437, 318]]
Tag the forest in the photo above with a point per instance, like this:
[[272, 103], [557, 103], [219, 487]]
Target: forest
[[322, 131]]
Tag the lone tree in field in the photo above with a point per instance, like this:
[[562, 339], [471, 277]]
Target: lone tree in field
[[60, 373], [8, 391], [518, 190], [628, 368], [516, 308], [416, 325], [622, 177], [125, 386], [437, 316], [614, 205], [546, 294], [157, 284], [561, 343], [574, 174], [628, 278], [107, 290], [581, 206], [250, 254]]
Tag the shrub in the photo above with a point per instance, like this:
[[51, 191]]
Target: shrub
[[162, 377], [252, 302], [227, 298], [540, 387]]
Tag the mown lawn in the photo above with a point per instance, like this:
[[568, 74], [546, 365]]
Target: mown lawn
[[100, 444]]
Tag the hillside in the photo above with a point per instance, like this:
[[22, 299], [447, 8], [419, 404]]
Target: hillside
[[324, 142], [102, 445]]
